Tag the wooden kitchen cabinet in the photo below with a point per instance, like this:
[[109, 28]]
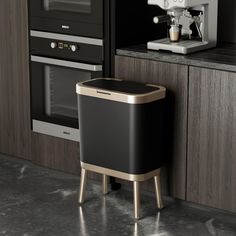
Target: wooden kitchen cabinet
[[16, 136], [55, 153], [211, 164], [175, 78], [15, 127]]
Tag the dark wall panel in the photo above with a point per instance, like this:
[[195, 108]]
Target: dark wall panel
[[227, 21]]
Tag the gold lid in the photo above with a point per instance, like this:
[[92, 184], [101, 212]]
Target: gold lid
[[83, 89]]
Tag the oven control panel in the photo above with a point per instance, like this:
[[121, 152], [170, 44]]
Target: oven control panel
[[65, 46]]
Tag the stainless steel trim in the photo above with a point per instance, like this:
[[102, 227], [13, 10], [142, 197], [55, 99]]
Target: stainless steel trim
[[56, 130], [119, 174], [64, 63], [121, 97], [136, 185], [104, 184], [70, 38], [157, 183], [83, 181]]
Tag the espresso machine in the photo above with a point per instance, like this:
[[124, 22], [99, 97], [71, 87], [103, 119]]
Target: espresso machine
[[191, 25]]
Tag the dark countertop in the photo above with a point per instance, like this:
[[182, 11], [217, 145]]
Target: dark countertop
[[223, 57]]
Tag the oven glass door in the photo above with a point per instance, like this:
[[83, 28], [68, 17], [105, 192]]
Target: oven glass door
[[90, 11], [59, 95], [53, 91]]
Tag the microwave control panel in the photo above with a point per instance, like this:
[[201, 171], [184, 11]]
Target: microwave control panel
[[66, 46]]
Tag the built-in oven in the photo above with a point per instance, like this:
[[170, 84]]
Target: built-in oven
[[72, 41], [58, 62], [78, 17]]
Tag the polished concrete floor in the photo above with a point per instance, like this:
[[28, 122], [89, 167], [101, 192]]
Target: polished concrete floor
[[36, 201]]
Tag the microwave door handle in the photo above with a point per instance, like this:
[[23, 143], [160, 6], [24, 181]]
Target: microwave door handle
[[70, 64]]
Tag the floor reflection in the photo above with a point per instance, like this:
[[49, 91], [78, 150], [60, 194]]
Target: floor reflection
[[28, 207], [103, 217], [82, 222]]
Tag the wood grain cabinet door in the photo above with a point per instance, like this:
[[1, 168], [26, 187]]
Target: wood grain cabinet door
[[211, 175], [55, 153], [175, 78], [14, 79]]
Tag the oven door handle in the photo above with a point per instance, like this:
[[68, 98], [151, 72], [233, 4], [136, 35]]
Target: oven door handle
[[70, 64]]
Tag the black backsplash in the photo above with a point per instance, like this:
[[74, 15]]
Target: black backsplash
[[227, 21]]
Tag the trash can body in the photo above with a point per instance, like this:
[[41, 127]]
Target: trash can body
[[125, 136]]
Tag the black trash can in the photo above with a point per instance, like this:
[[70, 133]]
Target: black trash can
[[121, 128]]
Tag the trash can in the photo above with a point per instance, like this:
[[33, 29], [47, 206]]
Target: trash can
[[121, 129]]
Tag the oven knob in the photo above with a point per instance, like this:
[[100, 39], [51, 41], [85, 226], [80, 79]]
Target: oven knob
[[73, 48], [53, 45]]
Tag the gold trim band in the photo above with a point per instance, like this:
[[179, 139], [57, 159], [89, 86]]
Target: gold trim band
[[119, 174], [121, 97]]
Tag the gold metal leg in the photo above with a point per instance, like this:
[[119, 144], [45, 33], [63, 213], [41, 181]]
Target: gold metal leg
[[82, 185], [157, 181], [136, 200], [104, 184]]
